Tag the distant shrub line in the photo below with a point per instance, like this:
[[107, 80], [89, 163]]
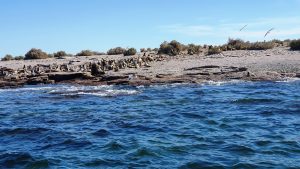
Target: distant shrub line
[[10, 57], [238, 44], [130, 52], [212, 50], [171, 48], [174, 48]]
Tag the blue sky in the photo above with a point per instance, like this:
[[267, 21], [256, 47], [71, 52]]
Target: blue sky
[[73, 25]]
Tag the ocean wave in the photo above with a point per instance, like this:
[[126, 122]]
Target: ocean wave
[[22, 160], [63, 89], [102, 91], [171, 85], [56, 88], [201, 164], [143, 152], [27, 89], [101, 133], [69, 143], [239, 149], [255, 100], [288, 80], [66, 90], [114, 145], [219, 83], [22, 131], [104, 163]]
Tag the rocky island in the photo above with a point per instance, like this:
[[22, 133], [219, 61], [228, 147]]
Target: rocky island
[[156, 67]]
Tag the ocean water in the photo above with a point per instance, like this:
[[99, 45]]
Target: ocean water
[[214, 125]]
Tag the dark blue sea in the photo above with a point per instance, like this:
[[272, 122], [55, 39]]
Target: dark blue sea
[[214, 125]]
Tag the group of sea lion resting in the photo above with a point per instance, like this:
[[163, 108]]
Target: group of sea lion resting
[[95, 67], [101, 66]]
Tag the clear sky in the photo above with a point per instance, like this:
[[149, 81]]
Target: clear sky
[[73, 25]]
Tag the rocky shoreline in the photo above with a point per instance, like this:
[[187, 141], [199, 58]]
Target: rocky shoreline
[[150, 68]]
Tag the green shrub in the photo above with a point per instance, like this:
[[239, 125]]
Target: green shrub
[[261, 46], [130, 52], [193, 49], [295, 44], [7, 58], [116, 51], [19, 58], [277, 42], [60, 54], [237, 44], [224, 47], [85, 53], [214, 50], [36, 54], [173, 48]]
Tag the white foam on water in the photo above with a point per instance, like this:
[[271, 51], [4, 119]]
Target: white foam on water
[[24, 89], [288, 80], [169, 85], [70, 89], [103, 93], [219, 83]]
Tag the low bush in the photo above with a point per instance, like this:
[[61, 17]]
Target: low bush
[[224, 48], [130, 52], [237, 44], [36, 54], [7, 58], [214, 50], [19, 58], [261, 46], [60, 54], [277, 42], [287, 42], [295, 44], [85, 53], [173, 48], [194, 49], [116, 51]]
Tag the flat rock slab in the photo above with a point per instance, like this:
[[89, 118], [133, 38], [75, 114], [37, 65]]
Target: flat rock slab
[[203, 67], [214, 70], [112, 78], [63, 76]]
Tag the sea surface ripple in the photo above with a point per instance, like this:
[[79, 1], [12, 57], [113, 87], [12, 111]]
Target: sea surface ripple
[[215, 125]]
